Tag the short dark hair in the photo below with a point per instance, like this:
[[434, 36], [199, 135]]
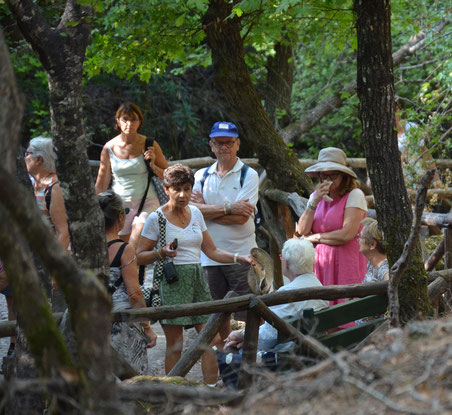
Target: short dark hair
[[130, 109], [111, 205], [178, 175]]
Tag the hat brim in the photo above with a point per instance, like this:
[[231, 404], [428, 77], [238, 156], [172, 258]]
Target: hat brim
[[317, 168], [223, 134], [260, 276]]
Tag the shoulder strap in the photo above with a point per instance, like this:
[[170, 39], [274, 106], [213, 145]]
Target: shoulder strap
[[204, 177], [114, 241], [243, 172], [48, 194], [148, 142], [117, 258]]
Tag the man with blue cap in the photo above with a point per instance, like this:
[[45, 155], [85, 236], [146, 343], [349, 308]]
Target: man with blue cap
[[227, 194]]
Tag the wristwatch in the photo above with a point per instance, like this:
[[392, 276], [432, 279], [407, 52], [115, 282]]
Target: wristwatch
[[319, 236]]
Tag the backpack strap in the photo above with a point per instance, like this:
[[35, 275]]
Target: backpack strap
[[204, 177], [243, 172]]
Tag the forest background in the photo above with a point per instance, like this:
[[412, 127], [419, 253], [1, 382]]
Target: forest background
[[299, 54]]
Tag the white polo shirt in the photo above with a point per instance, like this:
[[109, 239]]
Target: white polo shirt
[[217, 191]]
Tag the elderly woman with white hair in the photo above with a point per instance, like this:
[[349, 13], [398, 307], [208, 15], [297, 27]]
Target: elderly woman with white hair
[[297, 260], [40, 161]]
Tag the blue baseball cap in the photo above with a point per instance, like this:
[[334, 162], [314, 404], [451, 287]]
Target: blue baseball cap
[[224, 129]]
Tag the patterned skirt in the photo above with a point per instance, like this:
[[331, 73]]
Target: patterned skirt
[[191, 288]]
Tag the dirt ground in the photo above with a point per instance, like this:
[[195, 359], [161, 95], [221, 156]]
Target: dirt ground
[[156, 355], [397, 371]]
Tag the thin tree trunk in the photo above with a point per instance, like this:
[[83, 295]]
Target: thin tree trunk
[[278, 94], [376, 93], [234, 82]]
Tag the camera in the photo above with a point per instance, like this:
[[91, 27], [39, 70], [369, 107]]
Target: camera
[[170, 273]]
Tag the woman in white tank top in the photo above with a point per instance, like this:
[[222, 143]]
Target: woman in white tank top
[[123, 159]]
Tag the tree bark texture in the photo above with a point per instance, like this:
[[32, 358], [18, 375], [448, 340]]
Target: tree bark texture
[[61, 51], [234, 82], [375, 85], [88, 301], [278, 94]]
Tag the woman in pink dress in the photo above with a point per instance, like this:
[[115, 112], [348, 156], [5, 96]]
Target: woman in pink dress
[[332, 221]]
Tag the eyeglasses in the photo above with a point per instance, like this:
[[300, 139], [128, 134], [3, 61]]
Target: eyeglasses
[[330, 176], [28, 153], [228, 144], [126, 120]]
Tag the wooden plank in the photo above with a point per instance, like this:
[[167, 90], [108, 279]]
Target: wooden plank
[[351, 336], [350, 311]]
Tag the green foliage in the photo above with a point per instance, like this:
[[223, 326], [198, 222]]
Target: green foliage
[[140, 38], [31, 78]]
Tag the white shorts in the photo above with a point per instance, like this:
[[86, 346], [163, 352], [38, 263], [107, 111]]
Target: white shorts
[[150, 204]]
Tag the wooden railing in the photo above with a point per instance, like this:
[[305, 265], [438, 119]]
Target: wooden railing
[[257, 307]]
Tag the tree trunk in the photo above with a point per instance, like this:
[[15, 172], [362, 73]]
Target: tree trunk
[[234, 82], [279, 83], [376, 93], [61, 51]]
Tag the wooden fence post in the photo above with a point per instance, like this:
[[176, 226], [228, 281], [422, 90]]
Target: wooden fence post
[[436, 255], [249, 349]]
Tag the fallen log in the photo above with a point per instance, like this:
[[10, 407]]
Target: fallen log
[[152, 392]]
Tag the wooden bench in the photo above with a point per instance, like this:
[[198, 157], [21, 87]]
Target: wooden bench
[[317, 324]]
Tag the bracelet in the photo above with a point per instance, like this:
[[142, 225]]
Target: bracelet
[[312, 207], [235, 257], [319, 236], [162, 253], [225, 208], [158, 254], [229, 208], [147, 326]]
